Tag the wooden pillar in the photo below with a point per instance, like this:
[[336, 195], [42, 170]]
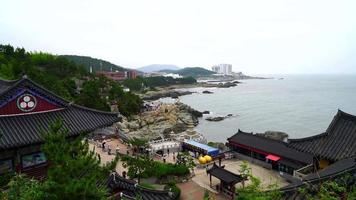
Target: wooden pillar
[[233, 191], [17, 161], [221, 186]]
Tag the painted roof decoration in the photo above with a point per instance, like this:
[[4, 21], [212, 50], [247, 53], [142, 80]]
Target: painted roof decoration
[[337, 143], [27, 109]]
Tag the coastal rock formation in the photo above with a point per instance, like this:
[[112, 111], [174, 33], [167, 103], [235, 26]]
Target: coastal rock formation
[[161, 123], [215, 119], [276, 135], [207, 92], [218, 118], [226, 85], [206, 112], [151, 96], [190, 110]]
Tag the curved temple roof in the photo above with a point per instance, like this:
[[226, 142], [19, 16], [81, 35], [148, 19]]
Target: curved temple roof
[[337, 143], [19, 128], [270, 146], [131, 190]]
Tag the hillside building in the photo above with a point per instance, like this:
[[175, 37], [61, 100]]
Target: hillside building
[[118, 75]]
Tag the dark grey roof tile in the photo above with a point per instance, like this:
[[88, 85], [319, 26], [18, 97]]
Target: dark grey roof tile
[[337, 143]]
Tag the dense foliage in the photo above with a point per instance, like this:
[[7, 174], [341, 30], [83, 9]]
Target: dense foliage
[[173, 187], [60, 75], [255, 191], [55, 73], [96, 64], [138, 144], [74, 171], [141, 83], [341, 188], [142, 166], [105, 91], [191, 71]]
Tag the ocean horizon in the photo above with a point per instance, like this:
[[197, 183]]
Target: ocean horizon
[[299, 105]]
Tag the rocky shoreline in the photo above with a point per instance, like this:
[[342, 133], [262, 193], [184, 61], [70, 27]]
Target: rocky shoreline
[[161, 123], [176, 91], [152, 96], [218, 118]]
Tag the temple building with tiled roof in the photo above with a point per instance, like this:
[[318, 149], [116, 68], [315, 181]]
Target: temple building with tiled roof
[[26, 111], [271, 153], [337, 143], [129, 189], [305, 156]]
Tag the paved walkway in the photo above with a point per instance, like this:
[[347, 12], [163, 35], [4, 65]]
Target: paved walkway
[[191, 191], [195, 188], [267, 177]]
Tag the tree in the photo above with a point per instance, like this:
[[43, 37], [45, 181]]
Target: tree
[[129, 104], [58, 74], [186, 159], [339, 188], [245, 172], [137, 166], [74, 171], [22, 188], [138, 144], [254, 191], [90, 95]]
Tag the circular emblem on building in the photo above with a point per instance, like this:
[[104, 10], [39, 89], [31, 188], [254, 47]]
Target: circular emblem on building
[[26, 102]]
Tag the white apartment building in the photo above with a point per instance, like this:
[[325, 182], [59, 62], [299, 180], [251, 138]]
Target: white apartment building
[[225, 69]]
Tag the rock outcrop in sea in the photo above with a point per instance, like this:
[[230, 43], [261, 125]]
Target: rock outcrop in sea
[[151, 96], [218, 118], [276, 135]]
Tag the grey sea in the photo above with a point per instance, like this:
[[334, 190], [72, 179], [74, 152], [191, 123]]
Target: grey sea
[[300, 105]]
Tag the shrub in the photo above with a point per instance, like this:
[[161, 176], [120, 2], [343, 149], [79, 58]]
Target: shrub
[[148, 186], [165, 169], [173, 187]]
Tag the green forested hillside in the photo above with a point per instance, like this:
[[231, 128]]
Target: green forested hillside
[[58, 74], [191, 71], [55, 73], [96, 64]]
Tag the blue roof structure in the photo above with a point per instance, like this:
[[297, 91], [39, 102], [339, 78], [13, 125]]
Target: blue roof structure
[[210, 150]]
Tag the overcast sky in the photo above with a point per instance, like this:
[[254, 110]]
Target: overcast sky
[[255, 36]]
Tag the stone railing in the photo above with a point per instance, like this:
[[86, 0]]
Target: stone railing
[[161, 141], [303, 172]]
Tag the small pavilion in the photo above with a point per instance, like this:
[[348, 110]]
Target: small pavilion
[[227, 179]]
